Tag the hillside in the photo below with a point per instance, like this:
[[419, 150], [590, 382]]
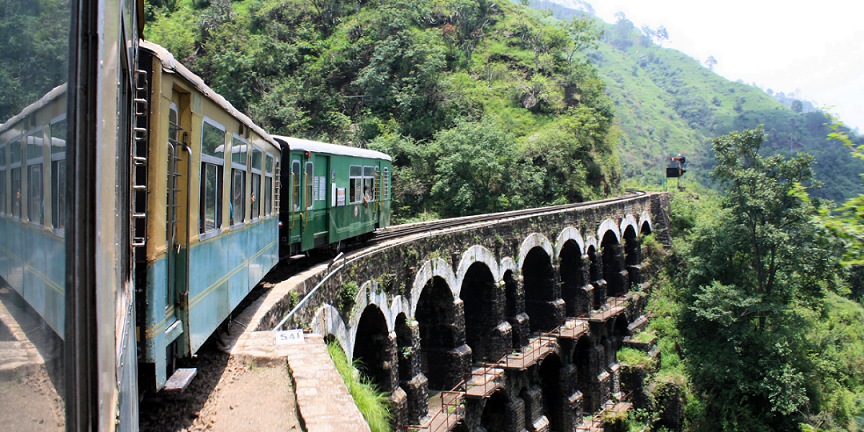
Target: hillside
[[667, 103], [484, 106]]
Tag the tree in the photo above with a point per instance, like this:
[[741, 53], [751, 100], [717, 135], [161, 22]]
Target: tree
[[661, 35], [756, 268], [796, 106], [710, 62]]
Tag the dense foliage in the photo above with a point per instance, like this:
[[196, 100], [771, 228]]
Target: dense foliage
[[757, 301], [667, 102], [484, 106]]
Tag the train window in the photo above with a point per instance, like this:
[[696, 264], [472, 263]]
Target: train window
[[310, 175], [385, 183], [212, 163], [239, 158], [369, 183], [35, 205], [15, 176], [2, 179], [268, 186], [355, 173], [257, 165], [58, 173], [295, 185]]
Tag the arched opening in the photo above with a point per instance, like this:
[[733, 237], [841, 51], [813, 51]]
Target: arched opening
[[582, 360], [514, 310], [595, 272], [553, 397], [483, 312], [496, 416], [573, 280], [439, 333], [646, 229], [613, 268], [631, 247], [372, 351], [620, 331], [404, 348], [540, 292]]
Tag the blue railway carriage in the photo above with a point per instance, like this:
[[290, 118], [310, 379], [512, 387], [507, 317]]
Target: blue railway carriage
[[212, 217], [335, 194]]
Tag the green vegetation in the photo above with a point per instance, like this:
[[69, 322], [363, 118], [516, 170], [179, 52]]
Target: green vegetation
[[373, 403], [484, 106], [668, 103], [757, 325]]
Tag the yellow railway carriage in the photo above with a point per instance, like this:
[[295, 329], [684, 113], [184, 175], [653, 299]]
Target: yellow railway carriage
[[211, 215]]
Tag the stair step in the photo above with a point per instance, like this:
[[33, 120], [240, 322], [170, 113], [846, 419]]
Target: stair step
[[180, 380]]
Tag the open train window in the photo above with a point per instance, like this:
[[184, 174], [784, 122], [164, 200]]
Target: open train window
[[15, 176], [3, 179], [355, 173], [310, 175], [295, 185], [58, 173], [369, 183], [268, 186], [35, 204], [385, 183], [239, 160], [212, 164], [257, 167]]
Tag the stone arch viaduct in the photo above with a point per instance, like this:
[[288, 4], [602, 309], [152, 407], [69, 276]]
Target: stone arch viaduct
[[422, 314]]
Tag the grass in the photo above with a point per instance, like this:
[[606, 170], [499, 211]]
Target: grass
[[633, 357], [372, 402]]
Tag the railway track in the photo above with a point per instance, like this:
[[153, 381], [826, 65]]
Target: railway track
[[421, 227]]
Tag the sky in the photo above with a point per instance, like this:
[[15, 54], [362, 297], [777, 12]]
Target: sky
[[816, 47]]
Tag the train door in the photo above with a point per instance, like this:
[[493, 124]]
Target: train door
[[176, 239], [307, 236], [295, 221]]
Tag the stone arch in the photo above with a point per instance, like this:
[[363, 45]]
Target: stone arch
[[404, 347], [595, 272], [498, 413], [645, 225], [631, 246], [607, 226], [508, 264], [550, 373], [572, 269], [444, 357], [620, 330], [613, 264], [377, 350], [431, 269], [483, 301], [543, 304], [584, 371], [628, 221], [514, 303], [569, 234], [477, 254], [534, 240], [328, 321]]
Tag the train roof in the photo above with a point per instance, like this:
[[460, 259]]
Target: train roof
[[44, 100], [336, 149], [171, 65]]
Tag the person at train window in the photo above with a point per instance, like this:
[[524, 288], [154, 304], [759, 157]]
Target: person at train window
[[367, 196]]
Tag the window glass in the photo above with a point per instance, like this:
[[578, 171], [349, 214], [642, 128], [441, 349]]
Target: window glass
[[269, 166], [35, 204], [34, 144], [15, 151], [385, 183], [213, 141], [355, 173], [237, 212], [212, 161], [257, 161], [268, 187], [295, 190], [58, 137], [369, 183], [310, 176], [15, 183], [239, 152], [3, 179], [256, 195], [58, 174]]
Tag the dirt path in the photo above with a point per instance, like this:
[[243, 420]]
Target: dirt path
[[225, 396]]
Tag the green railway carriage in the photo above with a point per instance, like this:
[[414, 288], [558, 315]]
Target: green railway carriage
[[212, 217], [332, 194]]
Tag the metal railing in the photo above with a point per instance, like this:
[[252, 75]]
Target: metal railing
[[599, 418]]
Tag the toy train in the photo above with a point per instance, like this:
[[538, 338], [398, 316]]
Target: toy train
[[135, 217]]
